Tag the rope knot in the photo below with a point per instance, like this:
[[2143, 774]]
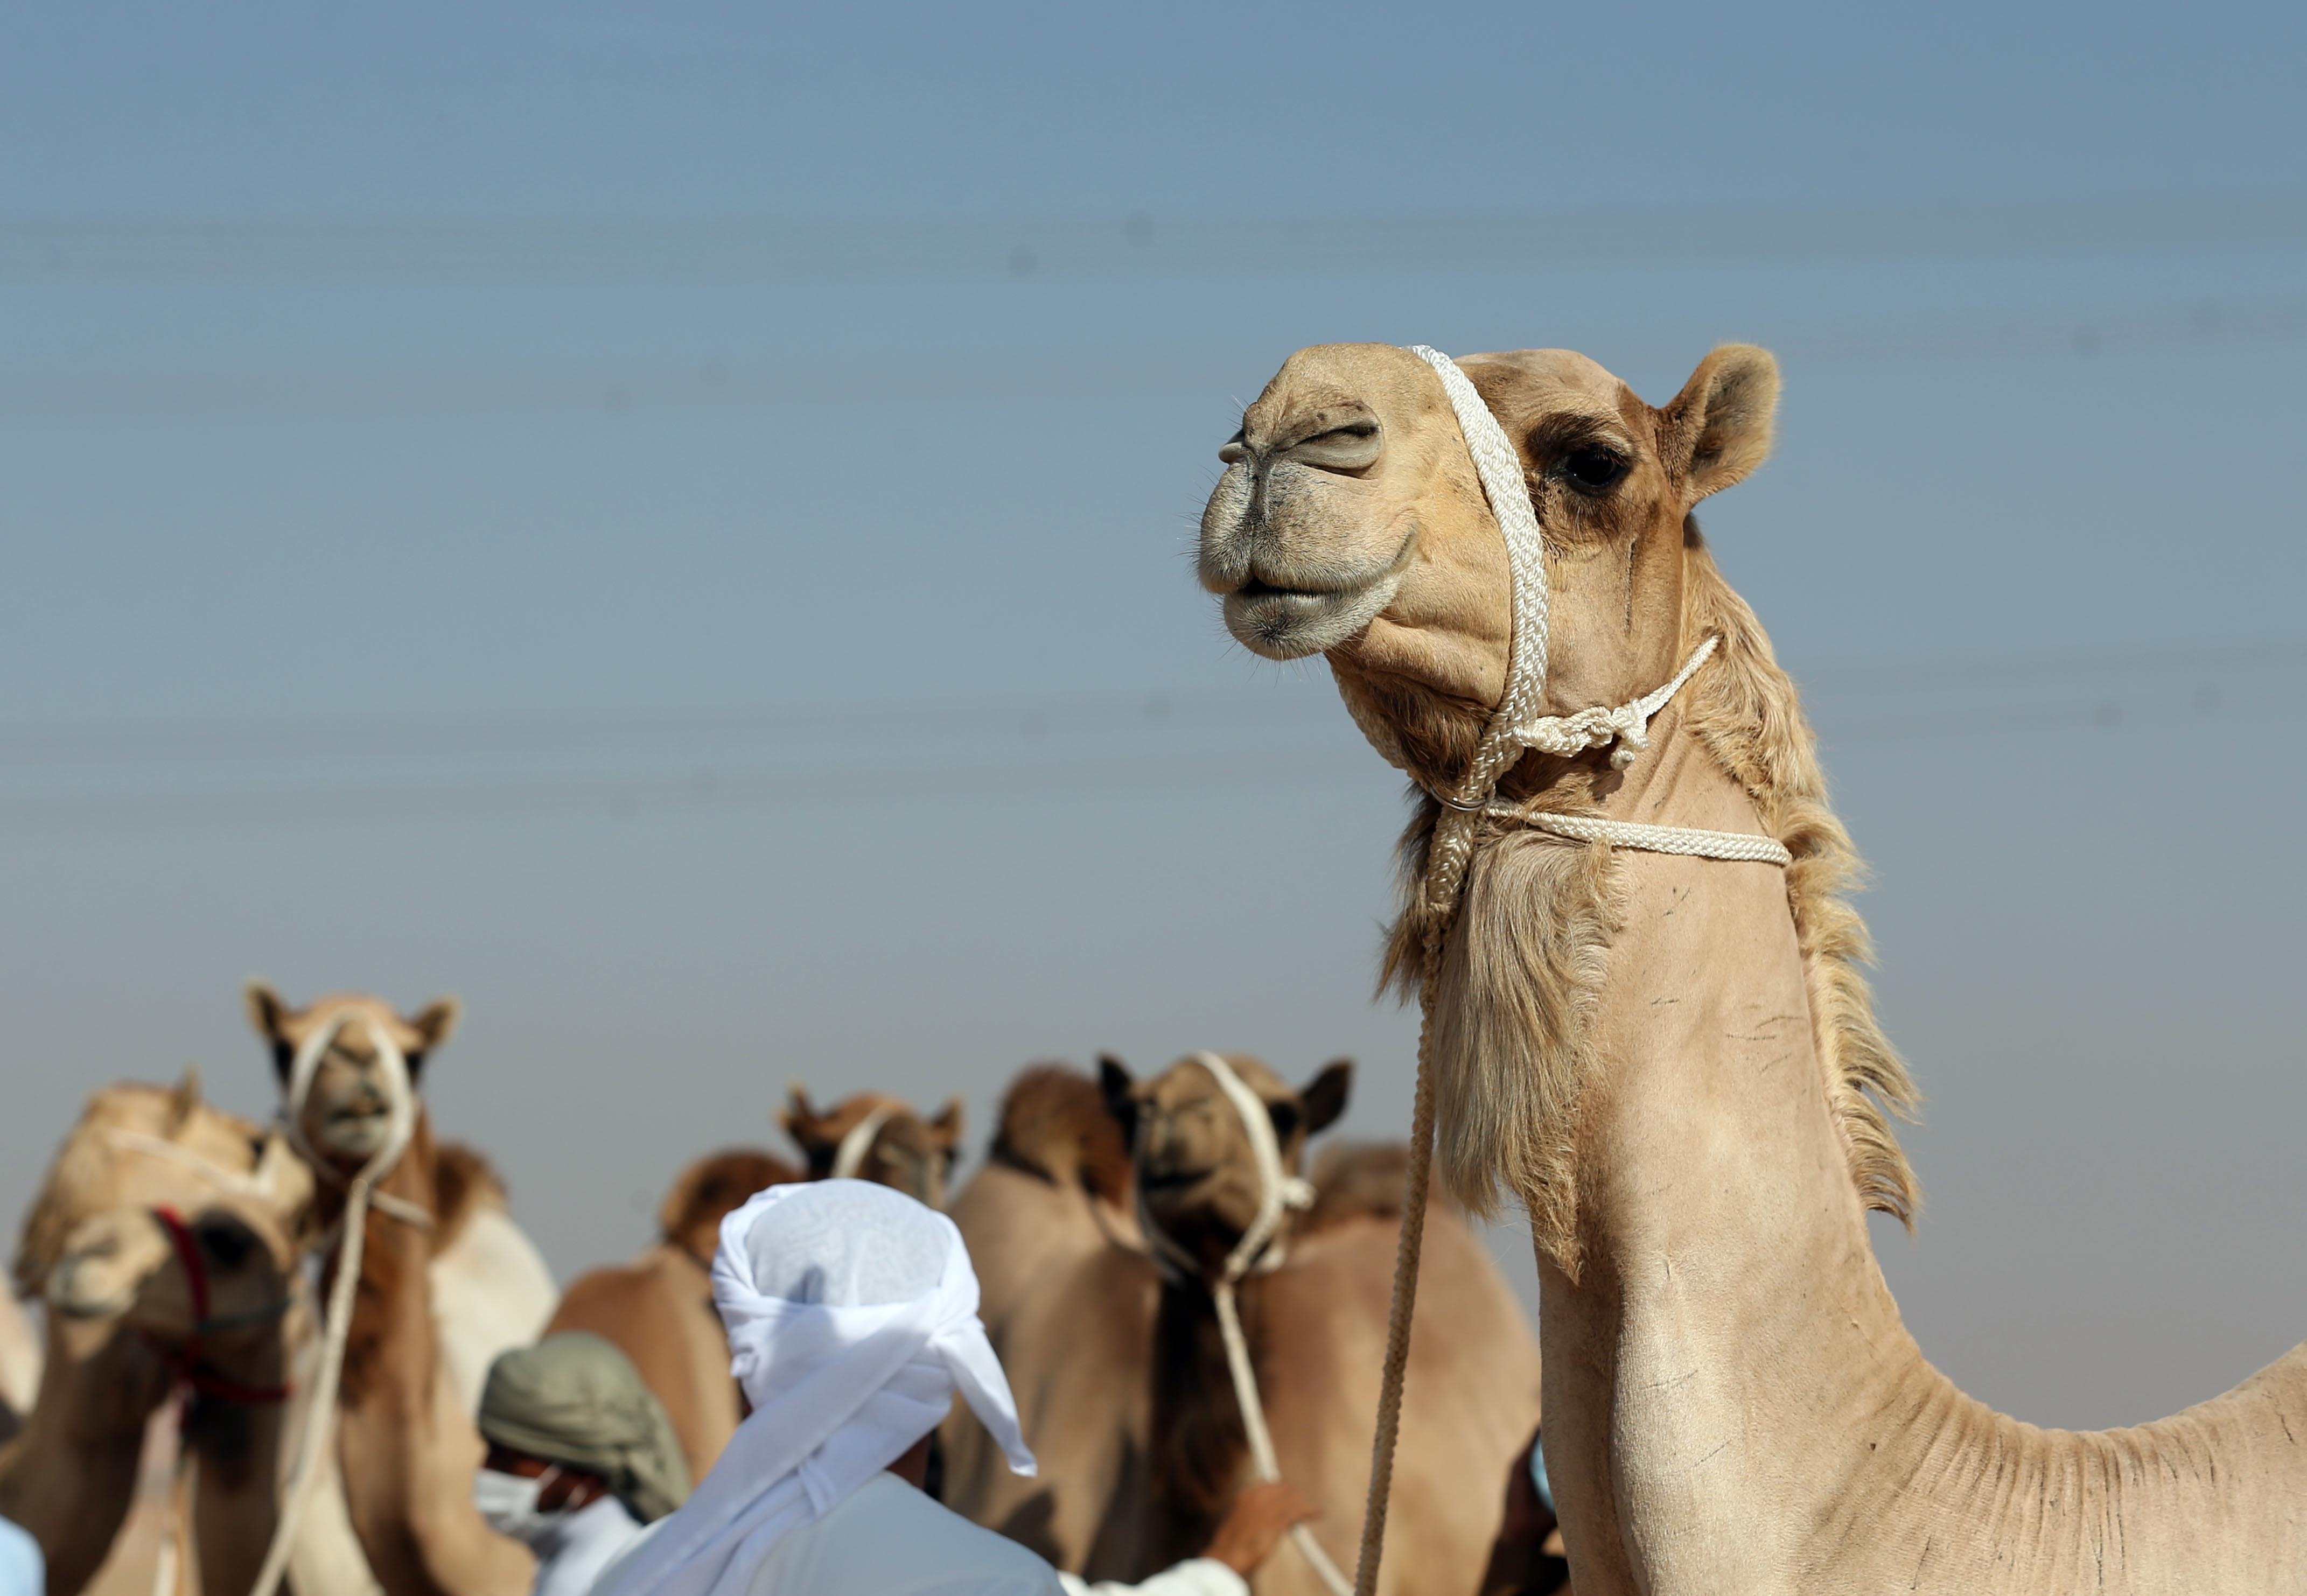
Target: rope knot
[[1627, 725]]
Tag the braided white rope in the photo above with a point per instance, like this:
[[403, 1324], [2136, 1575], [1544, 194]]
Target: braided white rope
[[850, 1156], [320, 1417], [1278, 1193], [1514, 727]]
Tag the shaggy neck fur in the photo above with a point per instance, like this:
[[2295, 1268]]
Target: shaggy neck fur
[[1672, 1059], [1528, 948]]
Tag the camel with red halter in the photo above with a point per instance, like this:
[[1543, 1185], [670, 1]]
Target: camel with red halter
[[164, 1246]]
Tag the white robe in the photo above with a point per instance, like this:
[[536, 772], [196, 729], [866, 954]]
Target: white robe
[[582, 1543], [888, 1538]]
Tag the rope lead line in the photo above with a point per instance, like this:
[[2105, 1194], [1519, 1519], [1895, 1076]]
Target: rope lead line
[[1514, 728], [1258, 1252], [320, 1418]]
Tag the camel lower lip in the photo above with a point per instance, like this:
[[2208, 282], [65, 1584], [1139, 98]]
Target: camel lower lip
[[1292, 622]]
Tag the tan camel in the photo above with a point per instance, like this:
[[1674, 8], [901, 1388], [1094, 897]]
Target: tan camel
[[1123, 1381], [659, 1308], [1673, 1061], [406, 1443], [874, 1137], [1050, 1226], [164, 1245]]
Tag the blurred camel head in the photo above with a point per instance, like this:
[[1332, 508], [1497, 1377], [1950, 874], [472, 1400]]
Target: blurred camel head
[[347, 1115], [872, 1137], [1197, 1172], [167, 1219], [1349, 522]]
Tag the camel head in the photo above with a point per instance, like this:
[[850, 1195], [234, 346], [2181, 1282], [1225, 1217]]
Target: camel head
[[140, 1148], [1197, 1172], [1349, 522], [875, 1137], [347, 1115], [126, 1265]]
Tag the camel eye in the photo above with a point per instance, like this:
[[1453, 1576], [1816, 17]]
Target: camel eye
[[1594, 470]]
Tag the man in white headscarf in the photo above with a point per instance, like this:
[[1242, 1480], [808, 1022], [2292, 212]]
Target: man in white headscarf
[[852, 1312]]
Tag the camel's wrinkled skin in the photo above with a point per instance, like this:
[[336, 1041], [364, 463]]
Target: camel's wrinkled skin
[[1669, 1059], [406, 1442], [120, 1315], [1122, 1379], [659, 1308], [907, 1153]]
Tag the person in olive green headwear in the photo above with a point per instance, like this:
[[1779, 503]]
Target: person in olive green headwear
[[580, 1456]]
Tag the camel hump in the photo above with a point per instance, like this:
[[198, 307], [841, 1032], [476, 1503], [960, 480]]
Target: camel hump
[[464, 1182], [1362, 1180], [1055, 1124], [709, 1189]]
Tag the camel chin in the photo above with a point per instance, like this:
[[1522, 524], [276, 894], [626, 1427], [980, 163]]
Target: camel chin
[[353, 1138], [1282, 624]]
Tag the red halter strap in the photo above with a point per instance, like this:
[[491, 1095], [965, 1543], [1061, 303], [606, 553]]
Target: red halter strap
[[190, 1369]]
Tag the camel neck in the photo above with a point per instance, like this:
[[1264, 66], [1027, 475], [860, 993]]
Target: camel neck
[[1732, 1402], [1729, 1290], [70, 1476]]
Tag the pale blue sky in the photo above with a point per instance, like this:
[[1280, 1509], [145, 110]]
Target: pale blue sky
[[672, 524]]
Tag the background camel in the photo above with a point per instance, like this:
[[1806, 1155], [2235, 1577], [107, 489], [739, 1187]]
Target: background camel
[[659, 1308], [1673, 1062], [874, 1137], [1120, 1375], [1068, 1300], [164, 1245], [406, 1445]]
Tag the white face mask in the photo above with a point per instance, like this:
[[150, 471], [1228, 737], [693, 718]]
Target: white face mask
[[507, 1502]]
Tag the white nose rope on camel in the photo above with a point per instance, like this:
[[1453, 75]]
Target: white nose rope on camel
[[1278, 1193], [850, 1156], [360, 1194], [1515, 728]]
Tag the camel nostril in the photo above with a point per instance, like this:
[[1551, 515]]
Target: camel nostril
[[226, 1242]]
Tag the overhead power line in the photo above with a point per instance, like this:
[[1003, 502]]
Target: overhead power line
[[80, 393], [97, 777], [766, 249]]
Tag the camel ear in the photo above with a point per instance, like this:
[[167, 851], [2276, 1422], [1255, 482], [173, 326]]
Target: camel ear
[[947, 1127], [184, 1098], [1115, 1081], [268, 1012], [1717, 429], [267, 1009], [1324, 1096], [435, 1023], [799, 1120]]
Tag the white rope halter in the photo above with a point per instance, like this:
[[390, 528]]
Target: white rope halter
[[849, 1157], [1515, 726], [360, 1193], [1259, 1251]]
